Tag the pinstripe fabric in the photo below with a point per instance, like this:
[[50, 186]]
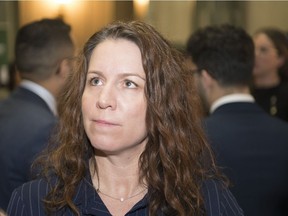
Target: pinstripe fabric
[[26, 201], [219, 200]]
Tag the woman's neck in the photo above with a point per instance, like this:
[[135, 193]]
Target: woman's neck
[[267, 80], [116, 176], [118, 186]]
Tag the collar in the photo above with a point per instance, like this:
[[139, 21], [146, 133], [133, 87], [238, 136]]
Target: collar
[[231, 98], [89, 202], [42, 93]]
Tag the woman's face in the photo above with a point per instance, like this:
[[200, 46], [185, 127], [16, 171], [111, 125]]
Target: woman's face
[[267, 59], [113, 101]]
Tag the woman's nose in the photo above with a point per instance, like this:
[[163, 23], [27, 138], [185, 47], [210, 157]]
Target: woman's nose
[[107, 98]]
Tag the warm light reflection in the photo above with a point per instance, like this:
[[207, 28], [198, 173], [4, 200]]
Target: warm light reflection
[[140, 8], [63, 2], [62, 7]]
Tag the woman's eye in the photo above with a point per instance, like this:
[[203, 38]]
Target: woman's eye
[[130, 84], [263, 49], [95, 81]]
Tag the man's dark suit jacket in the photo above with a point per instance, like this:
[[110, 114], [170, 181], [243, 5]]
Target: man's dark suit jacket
[[252, 148], [25, 125]]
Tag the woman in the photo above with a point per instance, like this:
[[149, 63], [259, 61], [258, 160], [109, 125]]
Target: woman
[[132, 145], [270, 88]]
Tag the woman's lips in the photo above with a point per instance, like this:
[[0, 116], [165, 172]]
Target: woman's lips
[[105, 122]]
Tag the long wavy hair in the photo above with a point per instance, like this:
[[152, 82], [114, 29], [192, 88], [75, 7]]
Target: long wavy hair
[[177, 158]]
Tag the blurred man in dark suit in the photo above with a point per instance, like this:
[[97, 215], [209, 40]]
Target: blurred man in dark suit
[[43, 53], [250, 145]]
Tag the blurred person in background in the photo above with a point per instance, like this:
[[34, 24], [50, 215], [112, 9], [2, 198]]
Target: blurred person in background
[[250, 145], [43, 52], [270, 86]]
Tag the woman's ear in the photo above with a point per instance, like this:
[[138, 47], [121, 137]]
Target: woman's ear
[[281, 61]]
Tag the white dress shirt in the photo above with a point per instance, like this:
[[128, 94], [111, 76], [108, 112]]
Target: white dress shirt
[[231, 98]]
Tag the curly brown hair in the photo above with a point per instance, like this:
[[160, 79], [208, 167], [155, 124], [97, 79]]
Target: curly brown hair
[[177, 158]]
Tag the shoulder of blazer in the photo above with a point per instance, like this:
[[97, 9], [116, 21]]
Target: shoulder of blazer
[[23, 96], [218, 199]]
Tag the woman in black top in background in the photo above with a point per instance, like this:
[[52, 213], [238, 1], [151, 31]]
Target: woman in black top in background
[[270, 85]]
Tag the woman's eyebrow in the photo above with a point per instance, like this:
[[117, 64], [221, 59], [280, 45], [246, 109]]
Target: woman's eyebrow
[[122, 75], [94, 72], [132, 74]]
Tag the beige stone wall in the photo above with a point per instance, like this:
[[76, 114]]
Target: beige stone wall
[[172, 18], [85, 17], [266, 13], [176, 20]]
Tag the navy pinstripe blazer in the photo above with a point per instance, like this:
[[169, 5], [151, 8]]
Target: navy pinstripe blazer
[[25, 125], [26, 201]]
